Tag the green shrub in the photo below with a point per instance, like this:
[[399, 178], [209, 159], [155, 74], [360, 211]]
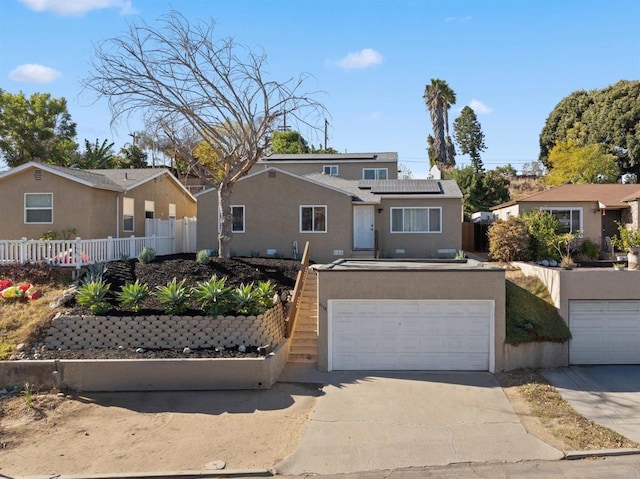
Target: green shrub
[[133, 295], [244, 300], [509, 240], [147, 255], [94, 272], [213, 296], [590, 249], [174, 297], [265, 292], [203, 256], [543, 228], [92, 294]]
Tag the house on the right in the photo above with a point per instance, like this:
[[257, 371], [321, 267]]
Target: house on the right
[[594, 209]]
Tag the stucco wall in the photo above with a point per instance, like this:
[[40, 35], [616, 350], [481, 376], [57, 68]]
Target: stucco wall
[[272, 203], [591, 215], [584, 284], [349, 170], [419, 245], [462, 284], [91, 212]]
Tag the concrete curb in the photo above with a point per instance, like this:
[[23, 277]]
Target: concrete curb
[[158, 475], [570, 456]]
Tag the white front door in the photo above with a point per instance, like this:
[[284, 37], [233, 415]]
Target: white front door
[[363, 230]]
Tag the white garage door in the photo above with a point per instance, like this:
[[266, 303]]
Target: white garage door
[[604, 332], [411, 335]]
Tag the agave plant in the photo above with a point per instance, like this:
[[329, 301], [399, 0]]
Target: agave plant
[[265, 292], [92, 294], [133, 295], [174, 297], [245, 300], [213, 296]]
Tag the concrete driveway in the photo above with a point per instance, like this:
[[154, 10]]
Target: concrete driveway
[[608, 395], [376, 421]]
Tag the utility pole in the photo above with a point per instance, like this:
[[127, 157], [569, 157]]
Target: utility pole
[[326, 124]]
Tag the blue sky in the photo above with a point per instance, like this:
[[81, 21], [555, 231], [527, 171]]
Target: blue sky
[[511, 61]]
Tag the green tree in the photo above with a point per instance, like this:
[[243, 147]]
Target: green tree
[[131, 156], [289, 141], [480, 190], [469, 137], [96, 155], [186, 75], [570, 162], [439, 97], [35, 128], [610, 116]]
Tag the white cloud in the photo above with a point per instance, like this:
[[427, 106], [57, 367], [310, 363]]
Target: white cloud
[[479, 107], [77, 7], [32, 73], [363, 59], [457, 19]]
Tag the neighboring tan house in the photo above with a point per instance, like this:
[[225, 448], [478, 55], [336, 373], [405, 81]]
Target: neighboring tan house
[[594, 209], [350, 166], [275, 212], [96, 203]]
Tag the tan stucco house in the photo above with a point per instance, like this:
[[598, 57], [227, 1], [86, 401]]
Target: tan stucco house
[[277, 210], [96, 203], [594, 209]]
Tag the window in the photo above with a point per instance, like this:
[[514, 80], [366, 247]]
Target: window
[[237, 224], [330, 170], [416, 220], [313, 219], [38, 208], [172, 211], [374, 173], [127, 213], [570, 218], [149, 210]]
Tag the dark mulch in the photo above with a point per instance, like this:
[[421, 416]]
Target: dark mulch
[[282, 273]]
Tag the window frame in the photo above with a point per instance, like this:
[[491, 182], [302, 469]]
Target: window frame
[[403, 208], [376, 172], [243, 230], [149, 207], [570, 209], [331, 169], [132, 215], [37, 208], [313, 221], [172, 211]]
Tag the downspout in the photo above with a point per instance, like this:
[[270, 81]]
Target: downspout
[[118, 216]]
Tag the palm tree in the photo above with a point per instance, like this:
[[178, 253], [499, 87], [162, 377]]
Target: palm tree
[[97, 156], [439, 97]]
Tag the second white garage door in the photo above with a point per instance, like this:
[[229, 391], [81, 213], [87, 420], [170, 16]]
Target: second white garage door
[[604, 332], [411, 335]]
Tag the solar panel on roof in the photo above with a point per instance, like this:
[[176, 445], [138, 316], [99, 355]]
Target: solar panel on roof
[[381, 187]]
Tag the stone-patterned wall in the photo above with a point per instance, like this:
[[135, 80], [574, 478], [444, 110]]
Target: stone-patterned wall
[[166, 332]]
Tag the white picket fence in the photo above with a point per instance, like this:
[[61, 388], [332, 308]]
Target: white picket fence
[[167, 237]]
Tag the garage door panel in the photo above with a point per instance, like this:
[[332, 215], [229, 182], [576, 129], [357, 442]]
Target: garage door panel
[[411, 335], [604, 332]]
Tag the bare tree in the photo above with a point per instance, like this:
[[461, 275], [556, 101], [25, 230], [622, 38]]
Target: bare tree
[[181, 74]]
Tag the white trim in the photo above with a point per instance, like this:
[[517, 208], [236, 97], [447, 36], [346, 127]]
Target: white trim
[[149, 207], [376, 170], [24, 204], [492, 323], [551, 209], [124, 214], [244, 219], [326, 226], [391, 231], [331, 167]]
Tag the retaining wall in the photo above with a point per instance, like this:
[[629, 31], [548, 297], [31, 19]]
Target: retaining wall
[[166, 332], [536, 355]]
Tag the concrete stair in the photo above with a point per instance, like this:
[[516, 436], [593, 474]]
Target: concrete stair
[[304, 338]]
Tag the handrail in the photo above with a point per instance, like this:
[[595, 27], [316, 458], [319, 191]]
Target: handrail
[[297, 291]]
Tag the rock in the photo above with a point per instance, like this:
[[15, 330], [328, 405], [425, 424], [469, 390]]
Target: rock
[[215, 465], [4, 391], [20, 347], [138, 350], [264, 350], [186, 350], [36, 356], [553, 263], [60, 395], [120, 348], [544, 262], [242, 348]]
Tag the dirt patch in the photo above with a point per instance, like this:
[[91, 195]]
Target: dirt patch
[[136, 432], [546, 415]]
